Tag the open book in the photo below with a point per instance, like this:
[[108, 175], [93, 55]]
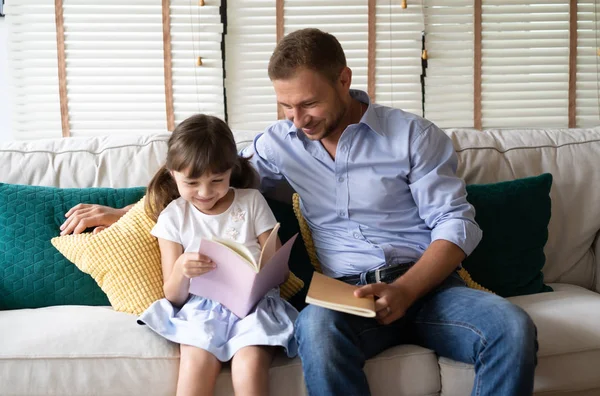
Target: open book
[[239, 282], [334, 294]]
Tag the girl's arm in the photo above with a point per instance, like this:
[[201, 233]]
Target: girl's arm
[[178, 267], [262, 238]]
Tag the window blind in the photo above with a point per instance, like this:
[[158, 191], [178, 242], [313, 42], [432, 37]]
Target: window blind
[[398, 55], [525, 63], [197, 31], [588, 69], [114, 65], [249, 42], [450, 46], [33, 60]]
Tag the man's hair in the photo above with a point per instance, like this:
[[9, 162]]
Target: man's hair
[[307, 48]]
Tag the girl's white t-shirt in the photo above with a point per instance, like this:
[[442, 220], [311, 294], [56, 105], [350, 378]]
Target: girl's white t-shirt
[[247, 217]]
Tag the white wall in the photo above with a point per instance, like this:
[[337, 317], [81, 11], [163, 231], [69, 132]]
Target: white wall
[[5, 88]]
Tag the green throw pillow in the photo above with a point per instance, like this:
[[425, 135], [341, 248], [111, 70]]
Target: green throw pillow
[[33, 273], [514, 217]]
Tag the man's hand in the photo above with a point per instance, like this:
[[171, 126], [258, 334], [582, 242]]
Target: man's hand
[[391, 300], [83, 216]]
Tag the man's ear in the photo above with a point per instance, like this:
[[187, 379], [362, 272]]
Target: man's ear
[[345, 78]]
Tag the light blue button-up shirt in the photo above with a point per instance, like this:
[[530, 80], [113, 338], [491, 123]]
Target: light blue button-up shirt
[[389, 193]]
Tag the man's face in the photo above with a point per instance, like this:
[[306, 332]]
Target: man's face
[[312, 103]]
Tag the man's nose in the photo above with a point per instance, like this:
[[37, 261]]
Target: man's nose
[[298, 118]]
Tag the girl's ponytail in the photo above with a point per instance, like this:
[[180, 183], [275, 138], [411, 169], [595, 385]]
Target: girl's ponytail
[[243, 174], [161, 191]]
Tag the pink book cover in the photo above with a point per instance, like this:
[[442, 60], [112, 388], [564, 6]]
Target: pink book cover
[[234, 283]]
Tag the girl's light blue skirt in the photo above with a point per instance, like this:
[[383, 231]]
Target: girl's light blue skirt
[[206, 324]]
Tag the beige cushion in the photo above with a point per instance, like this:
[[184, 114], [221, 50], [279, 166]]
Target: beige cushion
[[597, 255], [103, 161], [76, 350], [568, 326], [572, 156]]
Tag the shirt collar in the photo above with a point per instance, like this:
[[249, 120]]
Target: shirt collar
[[370, 117]]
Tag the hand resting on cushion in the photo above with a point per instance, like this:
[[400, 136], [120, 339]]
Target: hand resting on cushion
[[84, 216]]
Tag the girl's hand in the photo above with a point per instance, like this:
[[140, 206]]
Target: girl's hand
[[194, 264]]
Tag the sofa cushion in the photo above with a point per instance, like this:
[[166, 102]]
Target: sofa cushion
[[83, 350], [124, 260], [91, 161], [569, 344], [32, 273], [571, 156], [513, 216]]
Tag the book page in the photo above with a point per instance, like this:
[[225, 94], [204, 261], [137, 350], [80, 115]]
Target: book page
[[269, 249], [337, 295], [240, 249]]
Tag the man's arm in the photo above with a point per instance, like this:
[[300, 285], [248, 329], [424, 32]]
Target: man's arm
[[441, 200], [435, 265], [83, 216], [261, 157]]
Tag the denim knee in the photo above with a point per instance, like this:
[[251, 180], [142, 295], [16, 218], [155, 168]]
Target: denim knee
[[318, 328], [518, 334]]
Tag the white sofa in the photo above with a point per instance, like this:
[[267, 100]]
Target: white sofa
[[81, 350]]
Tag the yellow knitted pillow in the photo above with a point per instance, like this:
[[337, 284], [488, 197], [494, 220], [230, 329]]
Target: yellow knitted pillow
[[312, 254], [124, 260]]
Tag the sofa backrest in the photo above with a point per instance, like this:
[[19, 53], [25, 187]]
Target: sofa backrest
[[106, 161], [571, 155]]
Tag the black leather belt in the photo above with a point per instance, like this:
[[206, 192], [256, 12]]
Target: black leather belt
[[385, 274]]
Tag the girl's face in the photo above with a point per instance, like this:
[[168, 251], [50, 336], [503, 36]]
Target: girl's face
[[208, 193]]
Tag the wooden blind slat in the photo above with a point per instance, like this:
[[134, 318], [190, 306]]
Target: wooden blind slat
[[477, 11], [572, 63], [62, 67], [371, 47], [279, 26], [168, 70]]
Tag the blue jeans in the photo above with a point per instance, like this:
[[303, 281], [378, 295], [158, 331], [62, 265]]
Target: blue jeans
[[456, 322]]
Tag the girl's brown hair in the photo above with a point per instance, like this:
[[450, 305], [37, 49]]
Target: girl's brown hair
[[199, 144]]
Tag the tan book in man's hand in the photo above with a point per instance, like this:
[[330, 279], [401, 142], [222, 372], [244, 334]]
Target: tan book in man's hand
[[334, 294]]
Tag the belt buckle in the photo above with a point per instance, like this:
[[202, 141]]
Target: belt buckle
[[378, 275]]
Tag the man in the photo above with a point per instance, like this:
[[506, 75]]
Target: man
[[386, 211]]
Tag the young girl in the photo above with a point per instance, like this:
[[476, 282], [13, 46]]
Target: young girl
[[202, 192]]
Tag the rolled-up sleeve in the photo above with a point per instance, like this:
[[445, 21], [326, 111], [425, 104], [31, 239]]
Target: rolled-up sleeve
[[440, 195]]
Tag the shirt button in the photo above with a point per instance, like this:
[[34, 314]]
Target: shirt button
[[356, 235], [342, 213], [340, 179]]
